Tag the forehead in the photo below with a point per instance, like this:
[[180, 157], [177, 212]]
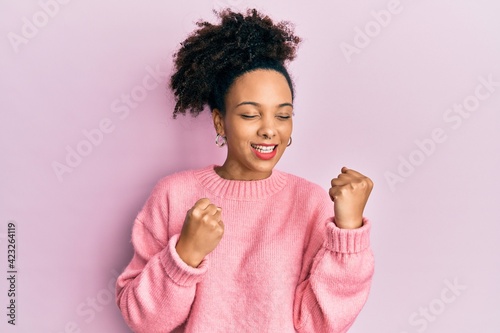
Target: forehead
[[261, 85]]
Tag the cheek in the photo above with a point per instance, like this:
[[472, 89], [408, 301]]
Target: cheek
[[237, 134], [286, 129], [242, 132]]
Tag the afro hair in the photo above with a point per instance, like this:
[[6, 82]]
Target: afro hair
[[213, 56]]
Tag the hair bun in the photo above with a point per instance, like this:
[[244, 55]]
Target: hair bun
[[232, 45], [256, 36]]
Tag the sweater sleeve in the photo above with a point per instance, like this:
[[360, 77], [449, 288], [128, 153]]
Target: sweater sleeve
[[156, 290], [335, 280]]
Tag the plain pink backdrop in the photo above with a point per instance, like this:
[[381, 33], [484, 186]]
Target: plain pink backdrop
[[374, 80]]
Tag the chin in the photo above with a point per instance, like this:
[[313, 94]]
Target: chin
[[266, 165]]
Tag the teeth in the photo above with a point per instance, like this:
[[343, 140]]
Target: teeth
[[264, 149]]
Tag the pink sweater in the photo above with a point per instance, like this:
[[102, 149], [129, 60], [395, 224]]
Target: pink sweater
[[281, 266]]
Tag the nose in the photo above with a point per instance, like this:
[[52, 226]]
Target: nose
[[267, 129]]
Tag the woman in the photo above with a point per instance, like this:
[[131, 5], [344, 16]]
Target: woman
[[243, 247]]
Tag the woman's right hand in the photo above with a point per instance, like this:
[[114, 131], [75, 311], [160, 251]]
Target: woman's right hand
[[201, 232]]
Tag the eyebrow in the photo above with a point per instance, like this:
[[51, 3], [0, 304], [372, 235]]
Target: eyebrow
[[258, 105]]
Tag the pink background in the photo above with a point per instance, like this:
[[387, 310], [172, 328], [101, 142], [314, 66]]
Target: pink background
[[435, 226]]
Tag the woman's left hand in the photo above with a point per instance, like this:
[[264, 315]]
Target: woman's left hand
[[349, 193]]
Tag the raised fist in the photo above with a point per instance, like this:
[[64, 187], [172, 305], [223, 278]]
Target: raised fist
[[201, 232], [350, 192]]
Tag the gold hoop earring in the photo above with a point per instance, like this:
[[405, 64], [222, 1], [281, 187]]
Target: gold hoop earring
[[220, 140], [289, 142]]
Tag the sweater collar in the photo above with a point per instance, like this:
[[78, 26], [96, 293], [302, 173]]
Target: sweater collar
[[240, 189]]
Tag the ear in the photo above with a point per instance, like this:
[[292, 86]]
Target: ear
[[218, 119]]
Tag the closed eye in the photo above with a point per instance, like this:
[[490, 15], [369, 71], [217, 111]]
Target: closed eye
[[246, 116]]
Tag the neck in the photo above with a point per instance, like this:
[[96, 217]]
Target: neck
[[232, 172], [240, 189]]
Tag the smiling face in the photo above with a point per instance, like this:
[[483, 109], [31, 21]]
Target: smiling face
[[257, 124]]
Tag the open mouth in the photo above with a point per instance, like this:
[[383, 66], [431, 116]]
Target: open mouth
[[264, 152], [264, 149]]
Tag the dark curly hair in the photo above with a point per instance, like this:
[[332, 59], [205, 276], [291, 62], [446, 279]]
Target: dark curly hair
[[213, 56]]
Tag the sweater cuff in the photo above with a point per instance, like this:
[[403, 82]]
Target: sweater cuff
[[348, 240], [180, 272]]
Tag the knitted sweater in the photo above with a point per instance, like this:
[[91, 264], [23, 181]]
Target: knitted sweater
[[281, 266]]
